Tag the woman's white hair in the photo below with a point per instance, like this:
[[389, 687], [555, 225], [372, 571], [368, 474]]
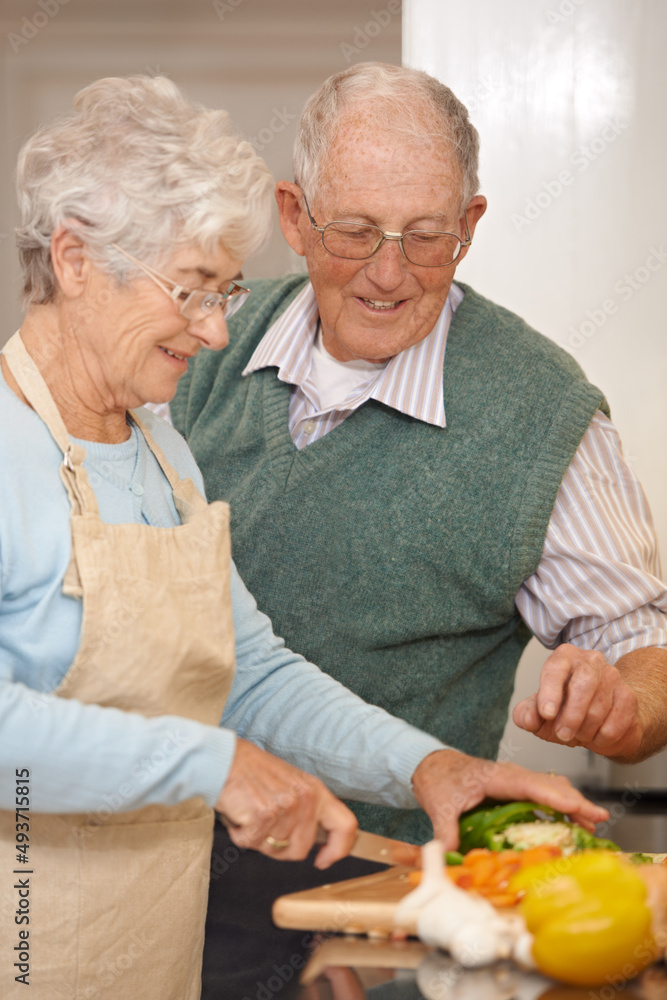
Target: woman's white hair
[[406, 103], [138, 165]]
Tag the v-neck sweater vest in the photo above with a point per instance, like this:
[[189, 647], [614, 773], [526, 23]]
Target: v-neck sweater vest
[[390, 551]]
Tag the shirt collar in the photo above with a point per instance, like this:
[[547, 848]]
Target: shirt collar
[[411, 382]]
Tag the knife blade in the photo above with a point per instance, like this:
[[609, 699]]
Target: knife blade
[[374, 847], [370, 847]]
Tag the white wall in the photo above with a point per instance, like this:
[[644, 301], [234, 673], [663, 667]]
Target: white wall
[[569, 97]]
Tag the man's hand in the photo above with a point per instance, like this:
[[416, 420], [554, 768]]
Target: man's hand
[[266, 803], [447, 783], [583, 701]]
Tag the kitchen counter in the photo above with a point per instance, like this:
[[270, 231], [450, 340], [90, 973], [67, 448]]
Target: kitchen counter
[[359, 969], [348, 968]]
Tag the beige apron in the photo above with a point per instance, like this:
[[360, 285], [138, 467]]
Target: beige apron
[[118, 899]]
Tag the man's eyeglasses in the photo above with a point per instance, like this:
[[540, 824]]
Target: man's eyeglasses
[[355, 241], [195, 303]]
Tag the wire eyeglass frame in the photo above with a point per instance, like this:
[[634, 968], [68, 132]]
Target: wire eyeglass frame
[[397, 237], [230, 301]]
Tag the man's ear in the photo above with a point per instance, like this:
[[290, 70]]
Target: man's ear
[[71, 264], [475, 209], [292, 215]]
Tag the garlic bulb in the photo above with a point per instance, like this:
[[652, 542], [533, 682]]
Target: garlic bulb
[[471, 929]]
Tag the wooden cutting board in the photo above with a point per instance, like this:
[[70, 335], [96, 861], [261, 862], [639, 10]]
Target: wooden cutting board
[[363, 905]]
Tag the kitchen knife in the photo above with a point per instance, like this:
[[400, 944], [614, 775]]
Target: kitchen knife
[[373, 847], [370, 847]]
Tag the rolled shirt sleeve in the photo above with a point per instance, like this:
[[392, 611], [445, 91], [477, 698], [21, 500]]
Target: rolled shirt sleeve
[[598, 584]]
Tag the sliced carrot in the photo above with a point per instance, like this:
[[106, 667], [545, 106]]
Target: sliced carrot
[[476, 854], [462, 878], [502, 875], [488, 872], [482, 871], [538, 855], [506, 856], [502, 898]]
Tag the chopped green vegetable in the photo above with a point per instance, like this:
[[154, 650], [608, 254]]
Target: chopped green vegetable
[[453, 858], [486, 827], [640, 859], [585, 841]]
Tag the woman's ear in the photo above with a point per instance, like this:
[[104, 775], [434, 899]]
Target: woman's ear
[[71, 264]]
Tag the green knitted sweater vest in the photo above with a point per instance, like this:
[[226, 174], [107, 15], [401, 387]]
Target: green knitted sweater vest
[[390, 552]]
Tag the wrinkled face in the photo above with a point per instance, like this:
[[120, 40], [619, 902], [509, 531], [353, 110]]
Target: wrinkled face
[[133, 340], [378, 307]]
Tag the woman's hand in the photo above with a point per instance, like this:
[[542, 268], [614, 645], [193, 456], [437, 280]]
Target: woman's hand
[[276, 809]]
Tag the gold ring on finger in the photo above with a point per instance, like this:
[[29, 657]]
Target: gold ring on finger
[[277, 845]]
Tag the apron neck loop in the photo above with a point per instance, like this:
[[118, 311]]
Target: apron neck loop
[[187, 498], [75, 480], [34, 388]]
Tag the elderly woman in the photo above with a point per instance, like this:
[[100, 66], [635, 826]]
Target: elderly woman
[[121, 614]]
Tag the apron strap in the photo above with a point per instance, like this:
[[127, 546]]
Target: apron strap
[[36, 391], [187, 498]]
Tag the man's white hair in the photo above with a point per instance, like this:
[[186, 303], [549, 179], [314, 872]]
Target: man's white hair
[[138, 165], [407, 104]]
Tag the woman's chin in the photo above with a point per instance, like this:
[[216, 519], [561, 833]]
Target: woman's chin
[[159, 392]]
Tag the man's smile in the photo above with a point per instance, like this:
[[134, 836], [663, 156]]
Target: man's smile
[[378, 305]]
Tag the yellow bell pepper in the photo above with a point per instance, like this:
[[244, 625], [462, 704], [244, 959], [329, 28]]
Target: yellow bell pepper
[[588, 917]]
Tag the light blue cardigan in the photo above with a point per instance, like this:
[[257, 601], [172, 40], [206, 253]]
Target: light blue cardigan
[[80, 755]]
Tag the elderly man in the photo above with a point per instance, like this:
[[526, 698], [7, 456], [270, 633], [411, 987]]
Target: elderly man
[[420, 481]]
